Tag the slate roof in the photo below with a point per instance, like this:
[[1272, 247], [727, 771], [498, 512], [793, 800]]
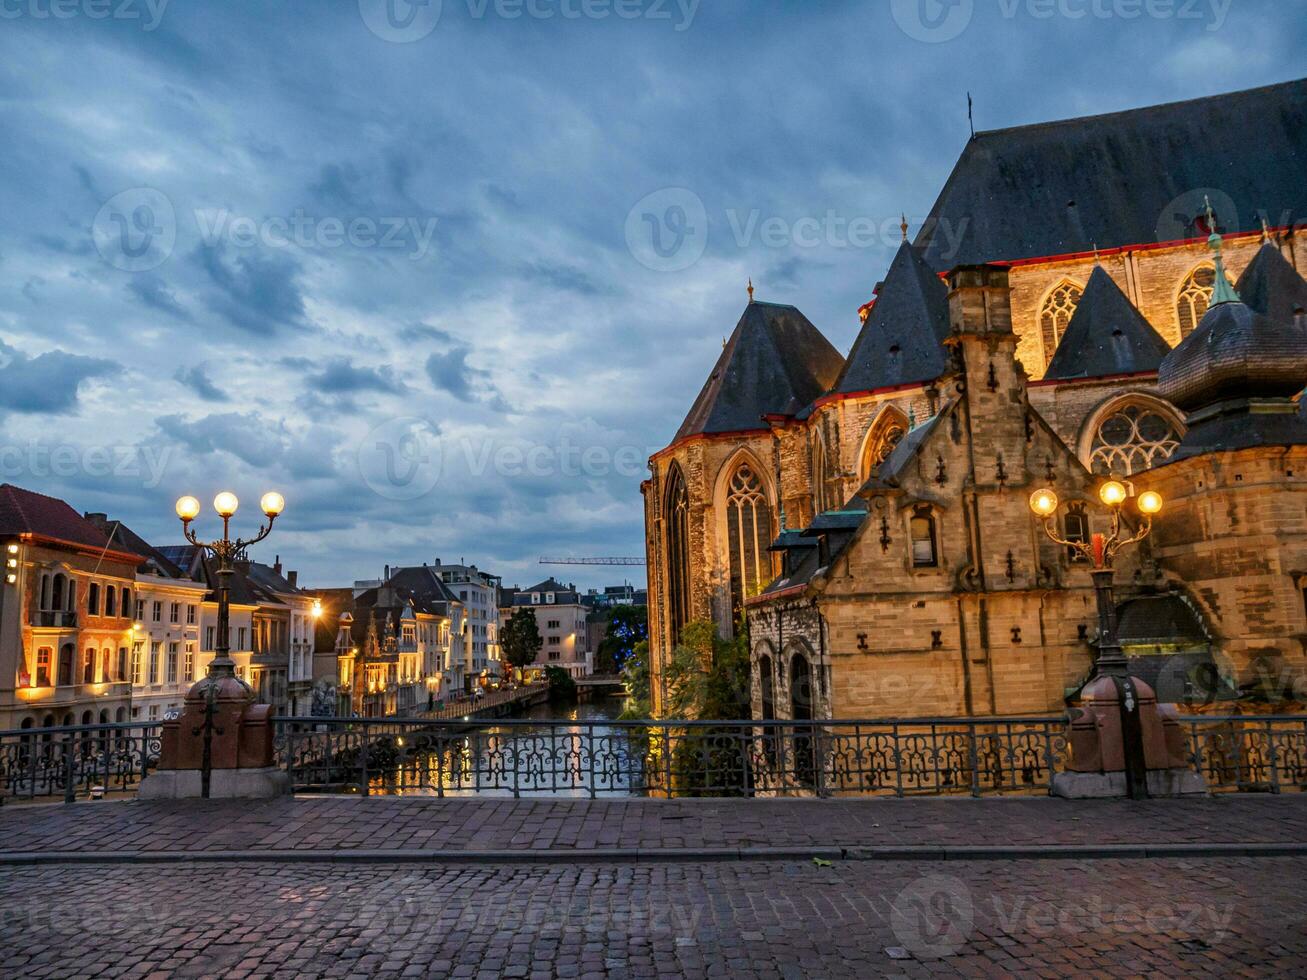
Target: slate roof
[[425, 584], [1126, 178], [154, 562], [1106, 336], [775, 363], [267, 577], [1272, 287], [902, 340], [563, 595], [25, 512]]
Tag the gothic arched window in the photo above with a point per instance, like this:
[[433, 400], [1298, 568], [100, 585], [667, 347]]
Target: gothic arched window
[[1194, 297], [820, 498], [1132, 439], [886, 432], [1054, 316], [678, 552], [1076, 528], [749, 535]]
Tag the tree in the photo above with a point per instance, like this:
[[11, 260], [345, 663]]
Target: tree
[[627, 626], [561, 685], [635, 675], [520, 639]]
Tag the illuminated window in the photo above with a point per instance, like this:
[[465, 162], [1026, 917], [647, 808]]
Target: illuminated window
[[1194, 298], [922, 533], [1055, 315], [749, 532], [43, 667], [1133, 439], [677, 519]]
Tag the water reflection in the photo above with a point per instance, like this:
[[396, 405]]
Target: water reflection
[[553, 758]]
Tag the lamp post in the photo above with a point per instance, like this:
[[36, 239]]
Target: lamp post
[[227, 551], [1101, 551]]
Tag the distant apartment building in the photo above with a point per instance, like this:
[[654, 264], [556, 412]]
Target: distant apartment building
[[479, 593], [561, 616]]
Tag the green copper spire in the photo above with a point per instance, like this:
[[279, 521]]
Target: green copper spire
[[1222, 291]]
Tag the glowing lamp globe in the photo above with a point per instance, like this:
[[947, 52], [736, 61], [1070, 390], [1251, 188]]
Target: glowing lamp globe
[[272, 503], [1112, 493], [1044, 503], [226, 503], [188, 508], [1150, 502]]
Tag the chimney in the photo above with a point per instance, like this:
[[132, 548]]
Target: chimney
[[276, 564], [291, 577]]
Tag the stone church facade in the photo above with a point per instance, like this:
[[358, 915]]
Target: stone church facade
[[865, 518]]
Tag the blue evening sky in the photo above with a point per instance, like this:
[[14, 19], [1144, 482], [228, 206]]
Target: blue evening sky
[[445, 274]]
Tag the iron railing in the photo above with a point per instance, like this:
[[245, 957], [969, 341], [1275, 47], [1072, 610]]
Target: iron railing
[[645, 758], [81, 761], [1248, 753], [916, 757]]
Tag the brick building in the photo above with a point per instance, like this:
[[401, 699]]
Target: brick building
[[865, 518]]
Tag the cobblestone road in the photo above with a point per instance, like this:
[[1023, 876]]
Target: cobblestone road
[[860, 919], [427, 824]]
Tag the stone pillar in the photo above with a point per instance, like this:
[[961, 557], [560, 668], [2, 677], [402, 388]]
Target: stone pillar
[[1097, 764], [238, 757]]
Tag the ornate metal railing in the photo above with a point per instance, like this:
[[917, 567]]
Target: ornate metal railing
[[1249, 753], [81, 761], [605, 758]]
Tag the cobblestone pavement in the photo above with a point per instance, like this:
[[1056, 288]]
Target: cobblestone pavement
[[1227, 917], [440, 825]]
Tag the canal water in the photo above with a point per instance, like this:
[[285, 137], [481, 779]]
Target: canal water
[[547, 750]]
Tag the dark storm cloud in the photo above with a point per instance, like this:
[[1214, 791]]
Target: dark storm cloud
[[255, 289], [340, 375], [197, 379], [49, 382], [155, 293]]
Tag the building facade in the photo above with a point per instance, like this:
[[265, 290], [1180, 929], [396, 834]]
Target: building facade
[[864, 518], [560, 616]]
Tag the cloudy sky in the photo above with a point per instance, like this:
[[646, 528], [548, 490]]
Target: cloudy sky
[[445, 274]]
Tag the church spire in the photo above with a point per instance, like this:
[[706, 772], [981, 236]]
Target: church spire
[[1222, 292]]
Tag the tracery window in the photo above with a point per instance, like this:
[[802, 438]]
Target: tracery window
[[749, 533], [1133, 439], [678, 552], [1059, 306], [886, 433], [820, 498], [1194, 298]]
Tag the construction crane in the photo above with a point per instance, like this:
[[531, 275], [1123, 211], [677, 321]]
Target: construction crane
[[592, 561]]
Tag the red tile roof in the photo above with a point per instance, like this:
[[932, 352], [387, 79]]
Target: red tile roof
[[25, 512]]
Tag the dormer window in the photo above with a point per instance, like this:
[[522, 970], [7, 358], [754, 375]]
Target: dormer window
[[922, 534]]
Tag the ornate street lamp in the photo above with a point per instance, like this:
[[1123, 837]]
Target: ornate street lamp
[[226, 551], [1101, 551], [222, 682]]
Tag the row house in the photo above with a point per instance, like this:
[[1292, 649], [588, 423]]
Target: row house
[[478, 591], [65, 616]]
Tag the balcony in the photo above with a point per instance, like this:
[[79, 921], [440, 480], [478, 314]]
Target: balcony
[[54, 619]]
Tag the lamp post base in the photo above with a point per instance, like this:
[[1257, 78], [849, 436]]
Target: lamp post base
[[1109, 785]]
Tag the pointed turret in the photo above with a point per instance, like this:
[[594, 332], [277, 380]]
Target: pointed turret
[[1107, 336], [775, 363], [901, 341], [1272, 287]]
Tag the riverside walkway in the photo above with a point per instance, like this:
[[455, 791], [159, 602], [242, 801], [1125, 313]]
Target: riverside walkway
[[384, 886]]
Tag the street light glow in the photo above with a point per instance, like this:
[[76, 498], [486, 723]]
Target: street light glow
[[272, 503], [1112, 493], [188, 508], [1043, 502], [1150, 502], [225, 503]]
